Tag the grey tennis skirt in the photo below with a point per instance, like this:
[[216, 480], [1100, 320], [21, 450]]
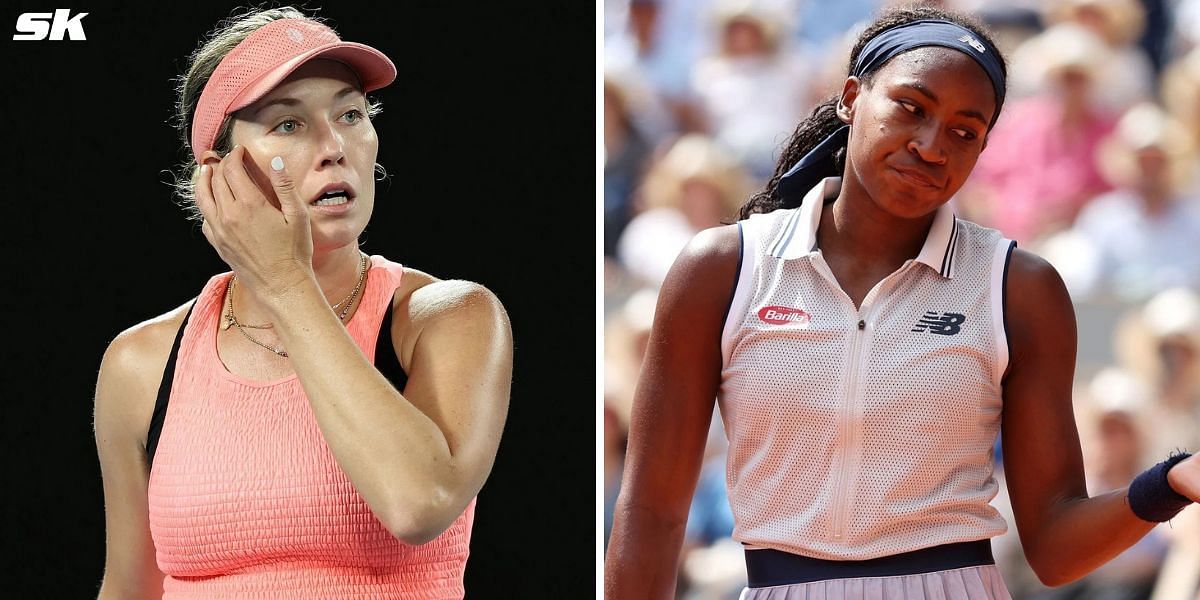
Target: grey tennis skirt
[[968, 583]]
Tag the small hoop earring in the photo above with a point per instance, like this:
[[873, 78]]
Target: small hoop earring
[[380, 172]]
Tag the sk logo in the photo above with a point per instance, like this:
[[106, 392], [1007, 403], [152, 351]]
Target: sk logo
[[39, 26], [941, 324]]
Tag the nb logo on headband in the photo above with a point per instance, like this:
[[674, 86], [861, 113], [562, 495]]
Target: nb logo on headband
[[973, 42]]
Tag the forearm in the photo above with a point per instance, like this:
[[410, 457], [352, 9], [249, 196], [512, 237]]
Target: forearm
[[643, 554], [1082, 534], [650, 517], [395, 456]]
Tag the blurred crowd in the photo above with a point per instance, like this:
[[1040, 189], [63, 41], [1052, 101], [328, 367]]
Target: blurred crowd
[[1093, 165]]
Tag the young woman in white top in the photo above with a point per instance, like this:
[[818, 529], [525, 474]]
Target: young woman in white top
[[866, 347]]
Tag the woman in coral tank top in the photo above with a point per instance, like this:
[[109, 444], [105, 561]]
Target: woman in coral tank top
[[317, 422]]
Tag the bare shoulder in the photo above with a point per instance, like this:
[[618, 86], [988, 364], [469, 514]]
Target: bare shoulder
[[414, 279], [704, 272], [1039, 315], [132, 368], [724, 241], [455, 298], [1028, 268], [425, 303], [1035, 287], [423, 297], [144, 347], [716, 248], [125, 393]]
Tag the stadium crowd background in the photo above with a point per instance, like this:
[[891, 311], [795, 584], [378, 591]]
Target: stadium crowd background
[[1093, 164]]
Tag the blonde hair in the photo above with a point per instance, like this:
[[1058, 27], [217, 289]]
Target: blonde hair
[[201, 63]]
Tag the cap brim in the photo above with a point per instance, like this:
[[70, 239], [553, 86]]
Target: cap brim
[[375, 70]]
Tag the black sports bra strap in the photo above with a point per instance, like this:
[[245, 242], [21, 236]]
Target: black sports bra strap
[[164, 391], [385, 355], [385, 360]]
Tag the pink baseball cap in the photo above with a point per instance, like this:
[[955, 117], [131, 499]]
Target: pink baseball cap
[[265, 58]]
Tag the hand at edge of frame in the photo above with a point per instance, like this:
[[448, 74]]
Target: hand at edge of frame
[[1184, 478]]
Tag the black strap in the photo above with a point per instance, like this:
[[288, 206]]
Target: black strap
[[164, 391], [385, 360], [385, 356]]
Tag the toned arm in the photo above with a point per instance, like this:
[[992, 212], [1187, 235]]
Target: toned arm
[[1065, 534], [457, 348], [130, 374], [671, 413], [419, 455]]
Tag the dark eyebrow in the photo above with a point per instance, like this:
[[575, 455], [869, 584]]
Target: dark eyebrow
[[287, 101], [928, 93]]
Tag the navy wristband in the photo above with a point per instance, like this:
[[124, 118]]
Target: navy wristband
[[1150, 495]]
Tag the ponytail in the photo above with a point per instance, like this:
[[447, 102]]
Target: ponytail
[[818, 125]]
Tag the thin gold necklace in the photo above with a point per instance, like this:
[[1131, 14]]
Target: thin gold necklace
[[345, 305]]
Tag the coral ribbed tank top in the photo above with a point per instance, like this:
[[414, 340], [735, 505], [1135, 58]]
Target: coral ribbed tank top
[[246, 499]]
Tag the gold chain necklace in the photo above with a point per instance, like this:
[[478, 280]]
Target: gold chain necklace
[[345, 305]]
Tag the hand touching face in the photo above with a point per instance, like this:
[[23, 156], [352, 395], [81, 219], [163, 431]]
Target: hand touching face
[[269, 247], [316, 122]]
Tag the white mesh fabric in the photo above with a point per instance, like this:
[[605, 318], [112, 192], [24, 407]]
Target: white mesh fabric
[[896, 459]]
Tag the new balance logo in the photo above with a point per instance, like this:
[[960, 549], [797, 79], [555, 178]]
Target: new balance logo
[[940, 323], [39, 26], [973, 42]]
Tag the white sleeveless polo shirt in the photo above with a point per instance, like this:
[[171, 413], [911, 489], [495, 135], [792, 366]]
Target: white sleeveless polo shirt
[[856, 433]]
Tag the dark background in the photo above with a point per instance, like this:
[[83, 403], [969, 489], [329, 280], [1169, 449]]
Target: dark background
[[489, 137]]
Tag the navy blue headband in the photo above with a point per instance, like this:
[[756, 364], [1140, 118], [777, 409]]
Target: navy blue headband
[[931, 32], [810, 169]]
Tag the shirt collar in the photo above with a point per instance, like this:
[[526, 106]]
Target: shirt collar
[[798, 237]]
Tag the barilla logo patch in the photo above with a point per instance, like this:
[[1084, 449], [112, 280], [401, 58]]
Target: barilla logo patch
[[783, 315], [973, 42]]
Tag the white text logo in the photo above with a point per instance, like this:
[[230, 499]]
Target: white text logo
[[976, 44], [39, 26]]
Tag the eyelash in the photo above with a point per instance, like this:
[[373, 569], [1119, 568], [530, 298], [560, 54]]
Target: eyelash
[[916, 111], [358, 116]]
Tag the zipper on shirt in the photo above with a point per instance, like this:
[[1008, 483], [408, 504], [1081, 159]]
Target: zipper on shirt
[[865, 316], [839, 498]]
